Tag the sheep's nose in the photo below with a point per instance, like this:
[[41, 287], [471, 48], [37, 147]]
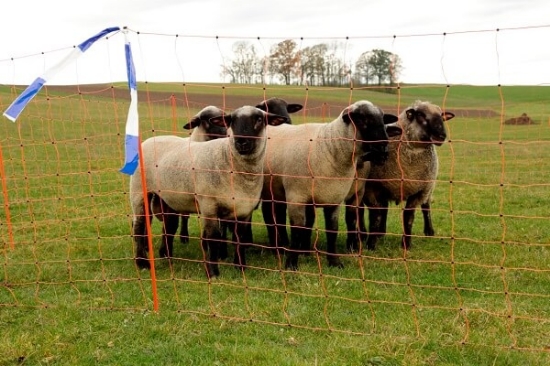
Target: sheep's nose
[[438, 140], [243, 145]]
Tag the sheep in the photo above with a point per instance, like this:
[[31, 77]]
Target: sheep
[[314, 164], [409, 173], [354, 210], [280, 107], [203, 130], [221, 179]]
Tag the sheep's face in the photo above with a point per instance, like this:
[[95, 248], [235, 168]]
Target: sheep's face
[[247, 126], [210, 130], [425, 124], [279, 107], [369, 121]]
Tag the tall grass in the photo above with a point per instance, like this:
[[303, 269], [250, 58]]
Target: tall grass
[[476, 293]]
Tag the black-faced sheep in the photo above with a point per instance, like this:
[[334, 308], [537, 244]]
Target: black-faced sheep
[[204, 131], [410, 172], [313, 165], [221, 179]]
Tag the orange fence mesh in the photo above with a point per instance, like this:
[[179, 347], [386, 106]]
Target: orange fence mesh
[[66, 221]]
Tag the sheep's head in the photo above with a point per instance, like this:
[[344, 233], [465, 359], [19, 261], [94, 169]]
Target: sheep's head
[[247, 125], [425, 123], [370, 124], [280, 107], [204, 128]]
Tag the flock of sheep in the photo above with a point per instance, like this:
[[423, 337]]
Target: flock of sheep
[[233, 161]]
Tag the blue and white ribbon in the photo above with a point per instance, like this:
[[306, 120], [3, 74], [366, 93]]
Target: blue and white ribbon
[[15, 109], [132, 123]]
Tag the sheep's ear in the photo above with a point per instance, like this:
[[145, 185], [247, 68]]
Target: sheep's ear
[[222, 121], [447, 116], [262, 106], [347, 116], [195, 122], [275, 120], [411, 114], [389, 118], [293, 108], [393, 130]]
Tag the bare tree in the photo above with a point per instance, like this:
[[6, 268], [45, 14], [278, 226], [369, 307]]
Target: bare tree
[[363, 71], [312, 64], [328, 66], [245, 66]]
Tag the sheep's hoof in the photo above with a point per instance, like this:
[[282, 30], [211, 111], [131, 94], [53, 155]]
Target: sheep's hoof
[[371, 245], [163, 253], [184, 239], [240, 267], [239, 262], [429, 232], [406, 242], [352, 247], [142, 263], [213, 271], [335, 262], [291, 263], [276, 251]]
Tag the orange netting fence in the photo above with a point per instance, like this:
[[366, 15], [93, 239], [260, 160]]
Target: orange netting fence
[[66, 220]]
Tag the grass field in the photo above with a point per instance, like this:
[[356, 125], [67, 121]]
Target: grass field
[[478, 293]]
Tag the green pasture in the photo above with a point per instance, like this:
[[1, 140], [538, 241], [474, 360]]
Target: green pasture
[[478, 293]]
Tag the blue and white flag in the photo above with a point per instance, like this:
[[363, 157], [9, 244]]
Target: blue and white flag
[[132, 123], [15, 109]]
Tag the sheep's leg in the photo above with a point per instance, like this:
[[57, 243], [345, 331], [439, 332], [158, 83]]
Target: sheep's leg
[[352, 214], [362, 235], [224, 227], [139, 233], [243, 238], [211, 238], [274, 214], [169, 228], [310, 220], [355, 224], [331, 226], [268, 209], [245, 235], [184, 229], [377, 219], [408, 220], [298, 233], [280, 218], [427, 213]]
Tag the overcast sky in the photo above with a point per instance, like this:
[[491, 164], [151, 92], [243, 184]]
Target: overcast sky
[[463, 56]]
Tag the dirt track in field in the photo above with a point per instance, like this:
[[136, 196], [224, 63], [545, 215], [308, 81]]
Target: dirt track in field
[[314, 108]]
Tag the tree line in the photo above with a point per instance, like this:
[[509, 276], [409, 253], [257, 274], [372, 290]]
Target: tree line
[[317, 65]]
